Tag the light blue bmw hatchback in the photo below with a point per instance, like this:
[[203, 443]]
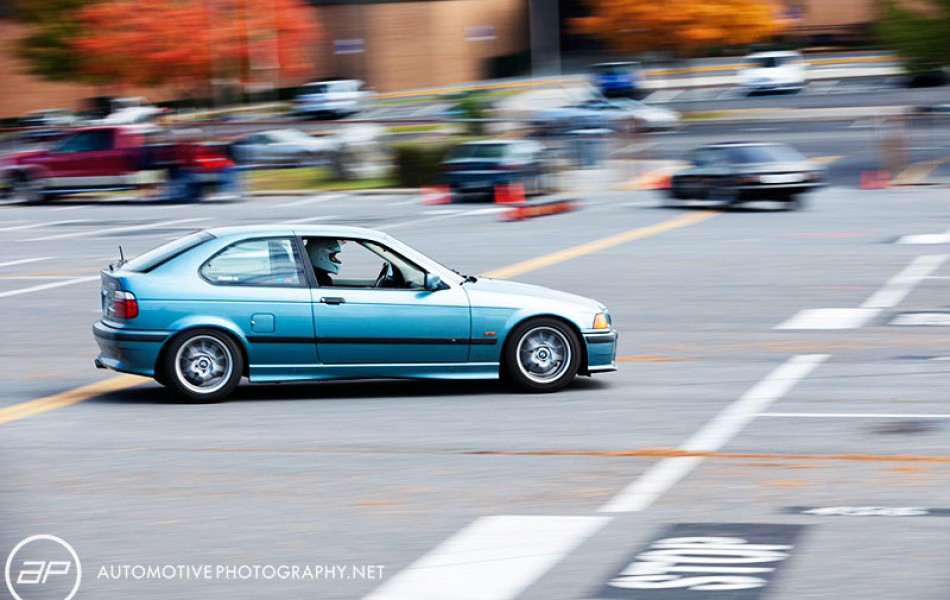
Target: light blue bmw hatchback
[[294, 303]]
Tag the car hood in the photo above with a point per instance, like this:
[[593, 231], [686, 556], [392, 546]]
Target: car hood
[[526, 295], [16, 158], [785, 167]]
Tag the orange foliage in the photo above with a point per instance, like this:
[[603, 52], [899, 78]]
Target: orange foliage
[[684, 26], [193, 41]]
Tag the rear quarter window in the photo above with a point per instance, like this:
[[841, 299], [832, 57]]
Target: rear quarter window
[[164, 253]]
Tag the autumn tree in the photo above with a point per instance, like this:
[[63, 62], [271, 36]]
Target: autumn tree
[[685, 27], [189, 43]]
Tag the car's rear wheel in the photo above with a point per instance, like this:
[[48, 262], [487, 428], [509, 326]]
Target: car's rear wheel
[[203, 365], [541, 355]]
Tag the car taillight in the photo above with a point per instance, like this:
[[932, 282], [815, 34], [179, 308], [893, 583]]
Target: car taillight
[[124, 305]]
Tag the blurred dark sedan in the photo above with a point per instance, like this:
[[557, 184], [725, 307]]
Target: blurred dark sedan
[[742, 172], [473, 169]]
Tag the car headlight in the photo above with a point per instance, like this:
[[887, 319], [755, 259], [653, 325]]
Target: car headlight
[[601, 321]]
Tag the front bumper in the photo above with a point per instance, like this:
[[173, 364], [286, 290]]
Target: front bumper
[[128, 351], [764, 191], [601, 350]]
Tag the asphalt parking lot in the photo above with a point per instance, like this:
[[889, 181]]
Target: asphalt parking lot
[[775, 430]]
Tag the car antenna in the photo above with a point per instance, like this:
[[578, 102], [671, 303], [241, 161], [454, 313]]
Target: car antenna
[[118, 264]]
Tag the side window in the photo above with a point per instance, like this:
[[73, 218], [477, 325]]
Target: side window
[[87, 141], [361, 264], [703, 158], [268, 262]]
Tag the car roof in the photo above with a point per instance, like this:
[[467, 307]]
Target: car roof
[[274, 229], [734, 144], [494, 142]]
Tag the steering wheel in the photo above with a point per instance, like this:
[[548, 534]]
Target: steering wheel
[[385, 274]]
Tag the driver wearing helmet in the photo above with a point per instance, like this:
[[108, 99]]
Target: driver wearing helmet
[[323, 254]]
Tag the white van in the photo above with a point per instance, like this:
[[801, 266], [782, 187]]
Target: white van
[[334, 98], [772, 71]]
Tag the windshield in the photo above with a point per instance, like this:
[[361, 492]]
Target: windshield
[[289, 135], [485, 151], [614, 69], [763, 154], [314, 88], [157, 256], [765, 62]]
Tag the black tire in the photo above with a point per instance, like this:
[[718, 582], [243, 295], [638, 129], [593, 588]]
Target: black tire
[[794, 202], [541, 355], [27, 189], [202, 366]]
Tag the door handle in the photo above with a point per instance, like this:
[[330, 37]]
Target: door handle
[[332, 300]]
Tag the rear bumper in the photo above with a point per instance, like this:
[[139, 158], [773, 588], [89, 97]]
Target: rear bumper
[[128, 351]]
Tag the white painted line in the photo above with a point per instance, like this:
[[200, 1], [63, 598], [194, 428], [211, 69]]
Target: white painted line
[[310, 220], [925, 239], [662, 476], [91, 232], [413, 200], [48, 286], [479, 211], [830, 318], [494, 558], [311, 200], [923, 319], [904, 282], [663, 96], [24, 261], [36, 225], [851, 416], [65, 208]]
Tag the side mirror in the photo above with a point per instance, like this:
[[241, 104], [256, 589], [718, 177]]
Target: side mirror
[[433, 282]]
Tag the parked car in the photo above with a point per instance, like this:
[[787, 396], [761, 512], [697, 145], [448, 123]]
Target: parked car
[[745, 171], [120, 157], [283, 147], [281, 303], [473, 169], [330, 99], [618, 79], [773, 71], [608, 113], [44, 125]]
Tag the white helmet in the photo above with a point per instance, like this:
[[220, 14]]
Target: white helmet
[[323, 253]]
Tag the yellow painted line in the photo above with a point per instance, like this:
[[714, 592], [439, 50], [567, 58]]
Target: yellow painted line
[[918, 171], [67, 398], [824, 160], [554, 258]]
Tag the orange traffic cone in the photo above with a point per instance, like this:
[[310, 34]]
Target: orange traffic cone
[[435, 194], [875, 180], [509, 192]]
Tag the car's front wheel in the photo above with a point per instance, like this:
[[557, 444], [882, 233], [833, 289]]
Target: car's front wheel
[[27, 189], [203, 365], [541, 355]]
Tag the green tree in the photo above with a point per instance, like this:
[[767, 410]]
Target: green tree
[[921, 37], [48, 48]]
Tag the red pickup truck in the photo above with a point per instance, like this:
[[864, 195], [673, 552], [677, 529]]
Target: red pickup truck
[[110, 158]]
